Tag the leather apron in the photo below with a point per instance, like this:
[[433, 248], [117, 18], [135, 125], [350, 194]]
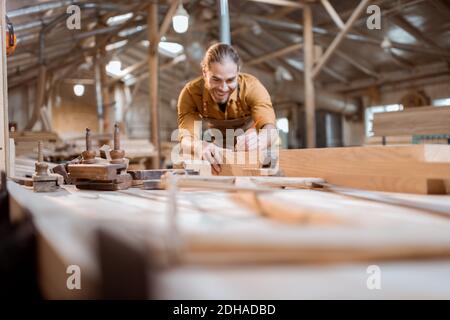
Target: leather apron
[[243, 123]]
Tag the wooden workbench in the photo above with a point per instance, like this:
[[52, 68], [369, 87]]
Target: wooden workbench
[[231, 252]]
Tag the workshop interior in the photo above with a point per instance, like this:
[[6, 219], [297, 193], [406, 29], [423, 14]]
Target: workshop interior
[[225, 150]]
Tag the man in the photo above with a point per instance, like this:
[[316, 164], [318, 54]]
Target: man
[[224, 98]]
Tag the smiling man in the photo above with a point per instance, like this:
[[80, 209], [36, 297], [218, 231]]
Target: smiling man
[[224, 98]]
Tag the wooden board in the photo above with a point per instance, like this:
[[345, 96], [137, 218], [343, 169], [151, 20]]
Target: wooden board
[[423, 169], [423, 120], [243, 164]]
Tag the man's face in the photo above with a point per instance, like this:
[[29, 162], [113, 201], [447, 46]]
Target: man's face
[[221, 80]]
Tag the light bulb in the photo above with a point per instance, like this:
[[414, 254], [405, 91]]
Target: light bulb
[[180, 20], [114, 67], [78, 89]]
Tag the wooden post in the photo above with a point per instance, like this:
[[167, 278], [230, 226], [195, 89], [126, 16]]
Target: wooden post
[[4, 126], [108, 115], [99, 92], [308, 53], [153, 37]]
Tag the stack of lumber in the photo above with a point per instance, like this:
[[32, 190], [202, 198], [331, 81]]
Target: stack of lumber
[[421, 120], [26, 142], [422, 169]]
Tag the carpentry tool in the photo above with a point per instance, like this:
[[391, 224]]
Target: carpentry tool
[[42, 180], [100, 176], [116, 154], [62, 169], [94, 174], [11, 40], [88, 155]]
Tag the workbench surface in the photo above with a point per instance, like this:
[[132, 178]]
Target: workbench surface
[[229, 251]]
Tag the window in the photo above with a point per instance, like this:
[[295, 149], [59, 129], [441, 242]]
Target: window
[[370, 111], [283, 124], [441, 102]]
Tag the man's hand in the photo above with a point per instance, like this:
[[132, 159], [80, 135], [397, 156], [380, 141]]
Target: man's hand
[[207, 151], [213, 154], [247, 141], [267, 137], [250, 140]]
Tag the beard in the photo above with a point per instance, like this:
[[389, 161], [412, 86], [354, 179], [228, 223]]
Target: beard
[[220, 97]]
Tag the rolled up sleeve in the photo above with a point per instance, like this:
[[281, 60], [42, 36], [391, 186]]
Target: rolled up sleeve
[[187, 115], [258, 99]]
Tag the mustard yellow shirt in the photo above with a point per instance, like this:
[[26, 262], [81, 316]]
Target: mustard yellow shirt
[[195, 102]]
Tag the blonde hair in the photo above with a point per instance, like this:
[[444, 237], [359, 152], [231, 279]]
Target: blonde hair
[[218, 53]]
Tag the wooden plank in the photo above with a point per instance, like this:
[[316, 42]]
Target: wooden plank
[[429, 120], [4, 123], [413, 169]]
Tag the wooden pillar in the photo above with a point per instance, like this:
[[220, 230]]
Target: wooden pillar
[[308, 53], [99, 92], [4, 127], [107, 113], [153, 37]]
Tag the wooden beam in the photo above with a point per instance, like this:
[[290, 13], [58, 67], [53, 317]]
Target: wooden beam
[[4, 123], [421, 120], [126, 71], [295, 4], [168, 18], [153, 37], [335, 75], [404, 24], [308, 53], [412, 169], [100, 103], [356, 64], [341, 35], [275, 54], [436, 71], [333, 14]]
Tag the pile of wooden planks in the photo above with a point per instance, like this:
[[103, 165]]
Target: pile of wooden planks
[[26, 142], [423, 169]]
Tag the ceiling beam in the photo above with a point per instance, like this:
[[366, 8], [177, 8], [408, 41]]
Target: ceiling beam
[[404, 24], [275, 54], [295, 4], [337, 41], [333, 14], [356, 64], [168, 18]]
